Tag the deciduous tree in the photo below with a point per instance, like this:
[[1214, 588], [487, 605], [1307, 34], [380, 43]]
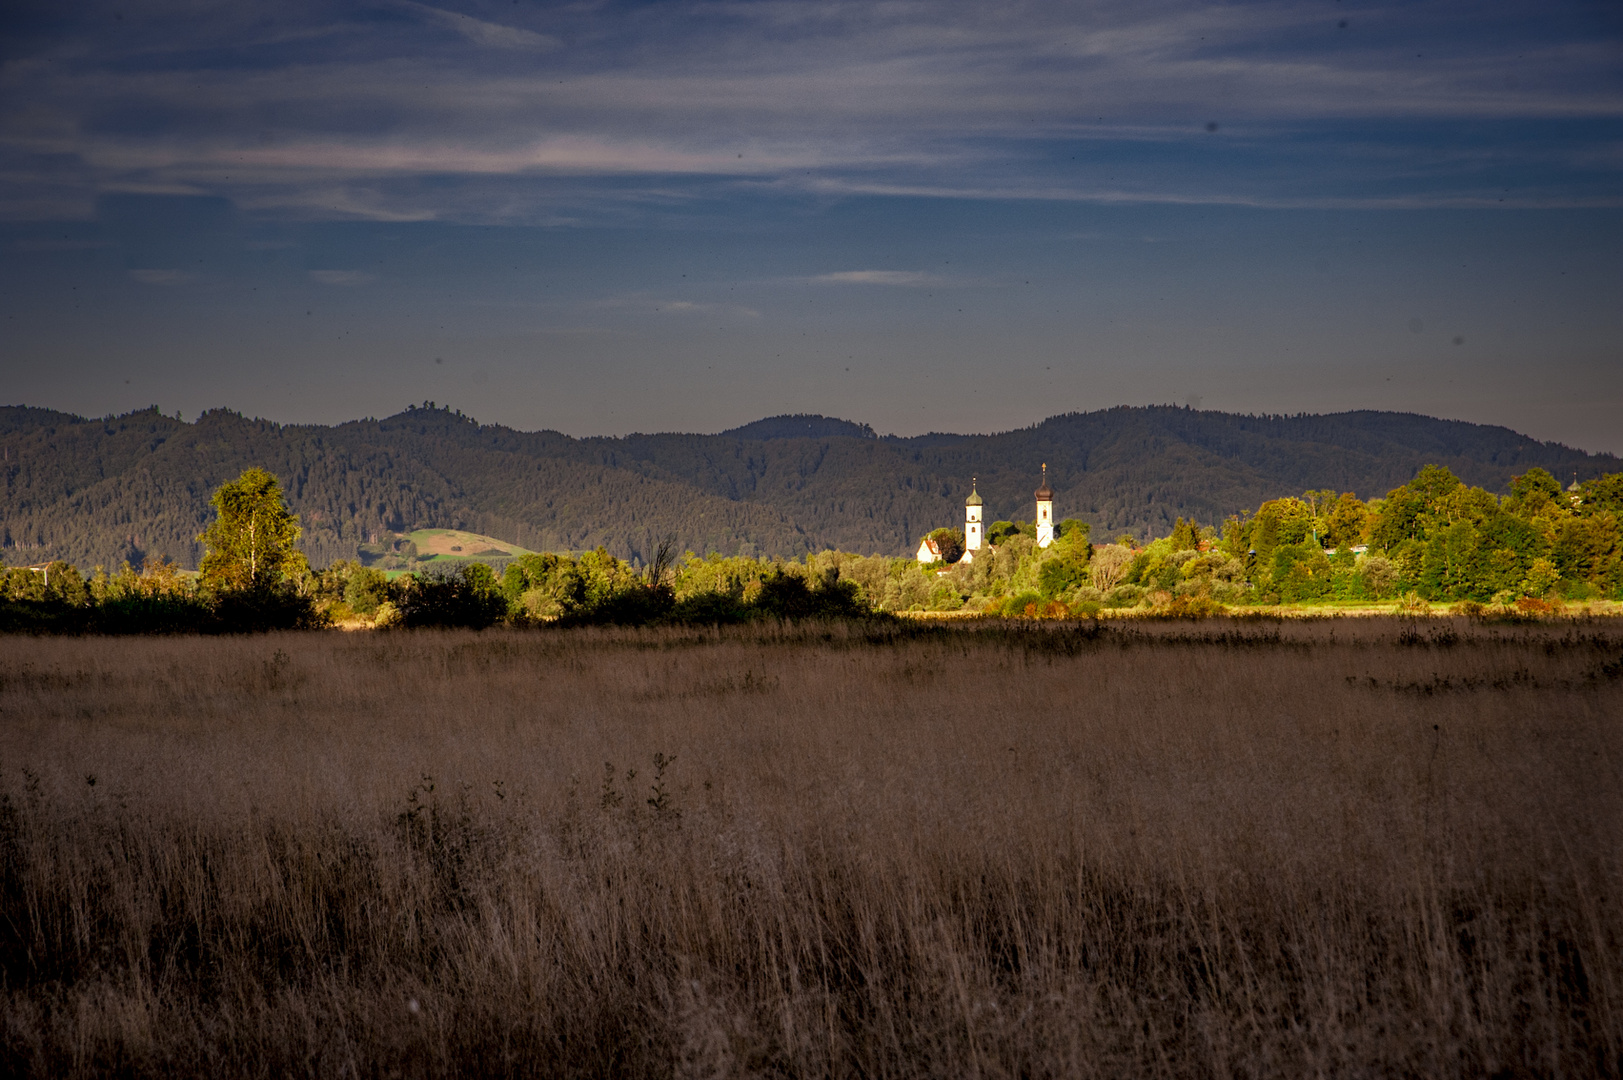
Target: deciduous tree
[[251, 542]]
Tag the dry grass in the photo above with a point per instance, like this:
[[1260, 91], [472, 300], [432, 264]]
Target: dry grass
[[1365, 847]]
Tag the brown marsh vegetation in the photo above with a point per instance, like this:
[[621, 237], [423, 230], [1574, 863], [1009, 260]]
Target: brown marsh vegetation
[[1370, 847]]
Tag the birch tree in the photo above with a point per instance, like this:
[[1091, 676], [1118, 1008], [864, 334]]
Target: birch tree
[[251, 541]]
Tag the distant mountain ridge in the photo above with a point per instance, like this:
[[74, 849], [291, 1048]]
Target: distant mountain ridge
[[802, 426], [98, 491]]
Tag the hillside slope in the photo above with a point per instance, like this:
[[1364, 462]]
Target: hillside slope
[[131, 487]]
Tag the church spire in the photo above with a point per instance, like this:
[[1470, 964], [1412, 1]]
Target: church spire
[[1045, 511], [972, 519]]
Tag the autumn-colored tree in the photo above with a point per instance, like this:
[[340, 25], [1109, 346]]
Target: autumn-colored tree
[[251, 541]]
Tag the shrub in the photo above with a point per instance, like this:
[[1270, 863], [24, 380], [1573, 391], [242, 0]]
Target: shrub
[[462, 597], [257, 610], [1015, 606], [1190, 607], [387, 615], [784, 596], [632, 604], [789, 596], [365, 590], [1379, 575], [710, 607], [1124, 596], [1541, 579]]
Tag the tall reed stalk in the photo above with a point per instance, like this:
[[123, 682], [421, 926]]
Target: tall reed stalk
[[1338, 848]]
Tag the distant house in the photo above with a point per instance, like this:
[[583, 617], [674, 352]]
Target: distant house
[[929, 551]]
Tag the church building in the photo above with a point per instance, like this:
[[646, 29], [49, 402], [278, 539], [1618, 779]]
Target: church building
[[973, 538], [1045, 512], [974, 526]]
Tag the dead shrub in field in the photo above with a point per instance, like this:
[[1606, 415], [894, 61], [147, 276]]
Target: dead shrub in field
[[1271, 847]]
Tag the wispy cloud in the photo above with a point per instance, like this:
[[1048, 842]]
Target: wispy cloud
[[480, 32], [647, 305], [284, 108], [878, 277]]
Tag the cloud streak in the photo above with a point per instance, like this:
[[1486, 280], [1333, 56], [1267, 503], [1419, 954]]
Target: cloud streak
[[878, 277], [281, 108], [490, 34]]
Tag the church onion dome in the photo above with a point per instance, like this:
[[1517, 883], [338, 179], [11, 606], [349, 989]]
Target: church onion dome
[[1045, 493], [974, 496]]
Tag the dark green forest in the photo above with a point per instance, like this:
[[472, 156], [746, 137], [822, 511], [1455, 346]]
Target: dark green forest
[[136, 488]]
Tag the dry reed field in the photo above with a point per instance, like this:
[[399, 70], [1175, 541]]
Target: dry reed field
[[1346, 847]]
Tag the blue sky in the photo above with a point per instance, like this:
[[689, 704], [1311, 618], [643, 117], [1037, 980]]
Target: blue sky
[[604, 217]]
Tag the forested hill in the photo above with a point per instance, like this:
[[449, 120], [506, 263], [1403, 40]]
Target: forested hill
[[136, 486]]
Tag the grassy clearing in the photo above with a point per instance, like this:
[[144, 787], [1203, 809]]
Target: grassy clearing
[[1154, 849], [455, 545]]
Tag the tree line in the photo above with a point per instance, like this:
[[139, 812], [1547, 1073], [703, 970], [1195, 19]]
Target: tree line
[[137, 487], [1435, 539]]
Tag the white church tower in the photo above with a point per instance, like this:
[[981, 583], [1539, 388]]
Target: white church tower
[[1045, 512], [972, 519]]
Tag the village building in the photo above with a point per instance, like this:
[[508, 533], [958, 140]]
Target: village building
[[929, 551]]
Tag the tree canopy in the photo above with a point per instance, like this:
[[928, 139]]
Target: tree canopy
[[251, 540]]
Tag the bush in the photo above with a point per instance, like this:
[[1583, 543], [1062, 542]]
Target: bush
[[789, 596], [632, 604], [366, 590], [387, 615], [463, 597], [1415, 603], [173, 613], [1058, 576], [717, 608], [1190, 607], [1379, 575], [244, 611], [1015, 606], [1124, 596]]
